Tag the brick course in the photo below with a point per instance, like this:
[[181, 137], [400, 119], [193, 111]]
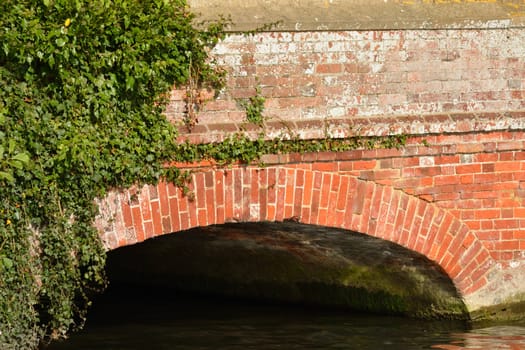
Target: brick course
[[455, 192], [368, 82]]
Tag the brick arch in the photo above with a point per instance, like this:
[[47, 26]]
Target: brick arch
[[251, 194]]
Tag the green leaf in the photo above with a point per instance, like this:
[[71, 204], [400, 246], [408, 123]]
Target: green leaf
[[60, 42], [11, 147], [6, 176], [130, 82], [6, 262], [22, 157]]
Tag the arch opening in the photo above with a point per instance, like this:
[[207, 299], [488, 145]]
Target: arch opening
[[290, 262]]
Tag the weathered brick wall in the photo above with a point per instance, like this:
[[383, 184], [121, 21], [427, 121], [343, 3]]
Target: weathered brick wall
[[455, 193], [372, 82], [460, 200]]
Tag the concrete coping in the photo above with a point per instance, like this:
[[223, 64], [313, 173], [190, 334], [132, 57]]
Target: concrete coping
[[413, 125], [334, 15]]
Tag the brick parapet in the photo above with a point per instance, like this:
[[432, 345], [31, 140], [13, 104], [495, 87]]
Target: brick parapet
[[375, 82], [455, 192]]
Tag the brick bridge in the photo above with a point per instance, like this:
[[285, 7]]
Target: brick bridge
[[455, 193]]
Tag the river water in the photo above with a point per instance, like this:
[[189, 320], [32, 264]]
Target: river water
[[127, 319]]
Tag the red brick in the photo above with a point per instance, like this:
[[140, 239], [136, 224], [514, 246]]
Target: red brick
[[126, 214], [245, 213], [507, 235], [137, 223], [200, 193], [271, 213], [342, 194], [486, 177], [325, 167], [325, 190], [297, 207], [162, 191], [211, 204], [316, 198], [219, 188], [202, 217], [510, 145], [476, 285], [487, 214], [486, 225], [329, 68], [506, 156], [427, 171], [365, 215], [450, 196], [174, 214], [446, 159], [324, 217], [506, 245], [220, 215], [157, 218], [149, 230], [305, 215], [470, 148], [364, 165], [468, 169], [145, 206], [465, 273], [445, 180], [382, 222], [456, 244], [376, 202], [184, 221], [507, 166], [519, 234], [255, 187], [409, 219], [228, 202], [506, 224], [192, 211], [237, 195], [486, 157], [308, 188]]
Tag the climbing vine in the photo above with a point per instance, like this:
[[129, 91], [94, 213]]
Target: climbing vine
[[254, 107], [83, 84], [241, 148]]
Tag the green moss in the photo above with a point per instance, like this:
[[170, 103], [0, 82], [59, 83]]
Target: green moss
[[231, 261], [509, 310]]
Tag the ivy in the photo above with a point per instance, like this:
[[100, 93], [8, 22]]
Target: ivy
[[241, 148], [254, 107], [83, 85]]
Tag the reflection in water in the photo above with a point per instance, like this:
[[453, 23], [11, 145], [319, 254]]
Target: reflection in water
[[127, 320], [498, 337]]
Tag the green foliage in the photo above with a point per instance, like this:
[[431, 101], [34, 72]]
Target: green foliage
[[241, 148], [83, 85], [254, 107]]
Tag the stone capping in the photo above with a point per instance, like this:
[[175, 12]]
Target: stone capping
[[442, 123], [320, 15]]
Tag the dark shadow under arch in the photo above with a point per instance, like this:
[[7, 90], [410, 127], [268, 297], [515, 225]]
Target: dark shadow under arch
[[294, 263]]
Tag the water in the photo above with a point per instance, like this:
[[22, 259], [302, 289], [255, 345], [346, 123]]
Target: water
[[129, 320]]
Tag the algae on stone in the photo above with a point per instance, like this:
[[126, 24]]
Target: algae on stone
[[295, 263]]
